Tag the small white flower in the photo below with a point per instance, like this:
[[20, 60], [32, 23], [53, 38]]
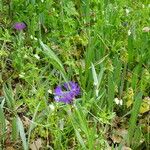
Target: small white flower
[[118, 102], [127, 11], [51, 106], [22, 74], [37, 56], [50, 91], [121, 102], [33, 38], [143, 6], [146, 29], [129, 32]]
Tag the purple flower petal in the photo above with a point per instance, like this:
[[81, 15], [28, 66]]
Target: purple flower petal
[[58, 91], [19, 26], [66, 92]]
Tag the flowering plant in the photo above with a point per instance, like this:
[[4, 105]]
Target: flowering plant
[[66, 92], [19, 26]]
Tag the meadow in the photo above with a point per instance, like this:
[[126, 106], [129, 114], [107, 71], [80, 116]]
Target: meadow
[[74, 74]]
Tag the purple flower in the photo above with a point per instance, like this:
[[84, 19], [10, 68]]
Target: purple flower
[[66, 92], [19, 26]]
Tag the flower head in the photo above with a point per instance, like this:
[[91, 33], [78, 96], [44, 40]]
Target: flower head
[[19, 26], [66, 92], [146, 29], [118, 101]]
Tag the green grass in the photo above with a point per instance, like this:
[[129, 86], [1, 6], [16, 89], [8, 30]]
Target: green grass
[[101, 45]]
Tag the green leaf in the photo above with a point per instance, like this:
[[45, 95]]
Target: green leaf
[[53, 58], [111, 91], [137, 138], [94, 75], [32, 122], [22, 133], [2, 125], [133, 118], [15, 130], [79, 138], [8, 94]]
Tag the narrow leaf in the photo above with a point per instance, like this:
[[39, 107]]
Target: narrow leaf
[[94, 75], [8, 94], [53, 57], [2, 125], [133, 118], [22, 133], [32, 122]]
